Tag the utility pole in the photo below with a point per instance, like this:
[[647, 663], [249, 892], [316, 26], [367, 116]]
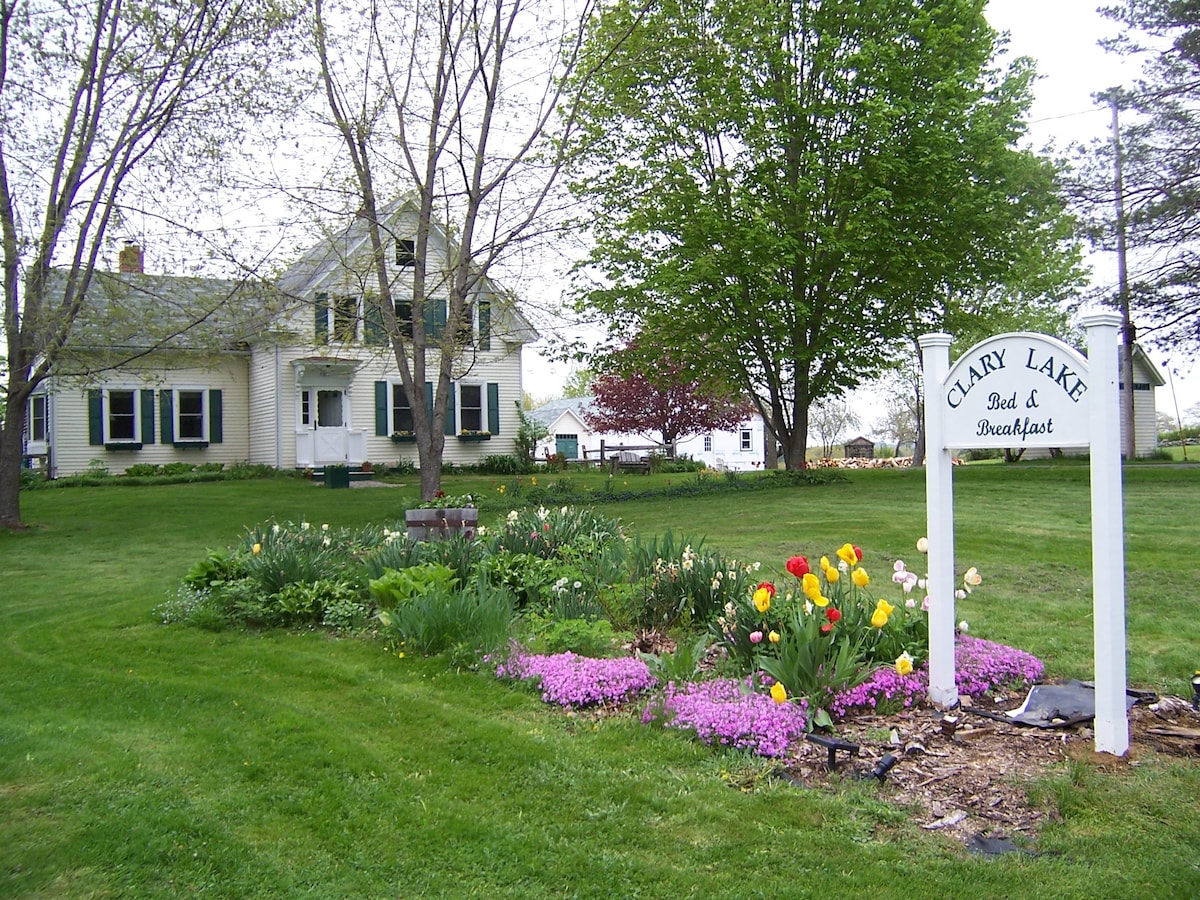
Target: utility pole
[[1129, 435]]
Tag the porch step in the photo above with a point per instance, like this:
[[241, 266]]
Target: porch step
[[356, 474]]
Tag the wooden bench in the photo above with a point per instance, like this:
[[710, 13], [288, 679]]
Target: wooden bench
[[629, 461]]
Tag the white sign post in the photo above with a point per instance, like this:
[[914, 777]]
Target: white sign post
[[1030, 390]]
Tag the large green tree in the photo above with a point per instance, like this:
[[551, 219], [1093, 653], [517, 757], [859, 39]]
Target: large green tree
[[782, 190]]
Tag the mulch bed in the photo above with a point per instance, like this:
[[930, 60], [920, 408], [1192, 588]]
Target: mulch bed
[[971, 778]]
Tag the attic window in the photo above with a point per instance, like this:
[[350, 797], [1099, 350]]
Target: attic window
[[406, 252]]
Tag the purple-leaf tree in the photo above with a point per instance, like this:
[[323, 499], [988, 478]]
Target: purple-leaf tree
[[666, 401]]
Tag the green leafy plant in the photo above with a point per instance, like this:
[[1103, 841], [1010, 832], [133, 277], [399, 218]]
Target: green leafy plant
[[681, 665], [401, 587], [593, 638]]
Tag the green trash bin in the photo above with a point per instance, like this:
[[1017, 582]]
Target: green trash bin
[[337, 476]]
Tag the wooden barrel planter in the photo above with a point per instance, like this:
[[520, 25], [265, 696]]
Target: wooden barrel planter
[[439, 524]]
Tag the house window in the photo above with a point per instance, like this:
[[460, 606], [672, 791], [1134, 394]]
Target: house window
[[36, 422], [190, 415], [345, 319], [404, 318], [402, 417], [305, 411], [406, 253], [470, 407], [746, 439], [121, 423], [708, 443]]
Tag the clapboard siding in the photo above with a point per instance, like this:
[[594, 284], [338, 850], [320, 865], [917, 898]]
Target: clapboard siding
[[73, 453]]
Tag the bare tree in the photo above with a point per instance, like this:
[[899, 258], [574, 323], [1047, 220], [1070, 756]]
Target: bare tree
[[829, 420], [105, 110], [464, 102]]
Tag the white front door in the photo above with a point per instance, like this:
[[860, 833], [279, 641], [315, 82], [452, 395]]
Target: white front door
[[329, 438]]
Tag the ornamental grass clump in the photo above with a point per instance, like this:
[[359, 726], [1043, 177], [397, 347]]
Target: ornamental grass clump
[[579, 681], [731, 713]]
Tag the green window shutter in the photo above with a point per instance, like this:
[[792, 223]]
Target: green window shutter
[[493, 404], [485, 325], [435, 319], [147, 416], [374, 331], [429, 399], [381, 409], [321, 319], [216, 414], [450, 407], [166, 413], [96, 417]]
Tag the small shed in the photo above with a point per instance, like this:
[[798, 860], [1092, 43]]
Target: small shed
[[859, 448]]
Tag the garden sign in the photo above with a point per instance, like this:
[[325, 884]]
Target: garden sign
[[1030, 390]]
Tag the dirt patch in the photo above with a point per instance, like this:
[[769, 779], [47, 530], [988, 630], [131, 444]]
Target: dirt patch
[[971, 776]]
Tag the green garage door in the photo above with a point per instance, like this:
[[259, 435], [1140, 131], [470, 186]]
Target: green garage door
[[567, 445]]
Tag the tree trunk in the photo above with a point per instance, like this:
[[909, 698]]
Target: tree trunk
[[918, 457], [12, 447]]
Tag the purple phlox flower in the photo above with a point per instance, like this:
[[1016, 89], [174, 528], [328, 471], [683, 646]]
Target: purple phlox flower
[[571, 680], [730, 712]]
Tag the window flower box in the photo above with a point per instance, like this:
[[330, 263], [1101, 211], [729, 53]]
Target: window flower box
[[404, 437], [469, 436]]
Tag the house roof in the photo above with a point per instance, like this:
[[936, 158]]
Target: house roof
[[125, 311], [550, 412], [323, 266]]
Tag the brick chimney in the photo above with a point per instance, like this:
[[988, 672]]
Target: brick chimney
[[129, 260]]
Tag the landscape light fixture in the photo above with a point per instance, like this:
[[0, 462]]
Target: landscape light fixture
[[1196, 691]]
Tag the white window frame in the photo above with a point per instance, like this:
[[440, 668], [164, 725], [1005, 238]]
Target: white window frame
[[747, 440], [708, 442], [176, 408], [136, 393], [482, 408], [396, 388], [32, 418]]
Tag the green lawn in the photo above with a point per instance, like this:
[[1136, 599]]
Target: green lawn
[[138, 760]]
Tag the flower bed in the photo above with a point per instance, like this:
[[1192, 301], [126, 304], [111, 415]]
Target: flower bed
[[735, 713]]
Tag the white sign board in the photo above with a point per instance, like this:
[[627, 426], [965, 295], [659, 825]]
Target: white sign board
[[1030, 390], [1017, 390]]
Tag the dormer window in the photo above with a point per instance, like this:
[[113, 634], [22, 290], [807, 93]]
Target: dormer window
[[406, 253]]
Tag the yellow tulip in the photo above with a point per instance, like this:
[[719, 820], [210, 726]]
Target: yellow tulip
[[773, 637], [904, 664], [879, 619], [860, 577], [886, 607], [762, 600], [778, 693], [847, 555], [832, 575], [256, 549], [820, 601], [811, 585], [824, 563]]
